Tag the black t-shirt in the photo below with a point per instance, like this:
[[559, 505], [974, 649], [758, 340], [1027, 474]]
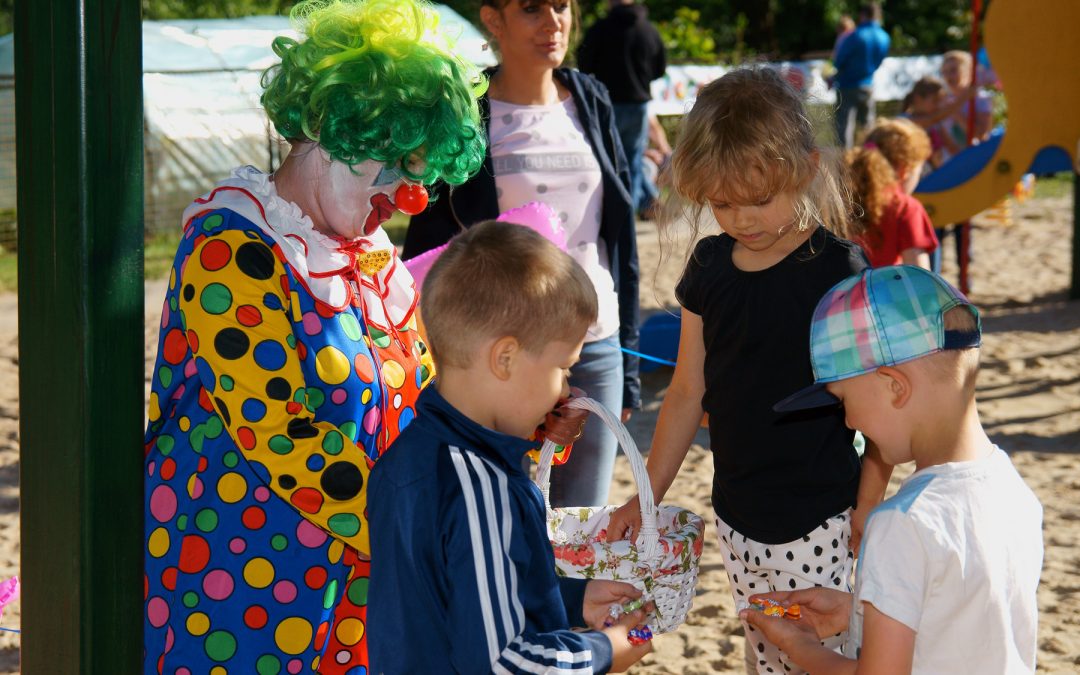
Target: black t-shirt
[[777, 475]]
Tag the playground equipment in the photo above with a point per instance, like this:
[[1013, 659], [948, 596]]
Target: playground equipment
[[1034, 52]]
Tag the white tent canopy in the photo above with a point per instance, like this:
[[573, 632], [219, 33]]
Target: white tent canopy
[[187, 45], [201, 87]]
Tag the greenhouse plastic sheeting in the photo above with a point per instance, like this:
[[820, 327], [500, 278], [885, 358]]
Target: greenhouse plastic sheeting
[[201, 87]]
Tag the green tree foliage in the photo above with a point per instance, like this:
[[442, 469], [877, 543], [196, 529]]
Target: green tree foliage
[[790, 29], [925, 27], [703, 31], [686, 40], [7, 8], [219, 9]]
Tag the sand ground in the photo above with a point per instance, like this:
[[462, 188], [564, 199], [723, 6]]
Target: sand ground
[[1029, 399], [1029, 395]]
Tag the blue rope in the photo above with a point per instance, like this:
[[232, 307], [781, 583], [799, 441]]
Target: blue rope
[[657, 359], [11, 630]]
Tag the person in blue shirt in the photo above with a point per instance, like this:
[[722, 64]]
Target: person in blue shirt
[[463, 576], [857, 58]]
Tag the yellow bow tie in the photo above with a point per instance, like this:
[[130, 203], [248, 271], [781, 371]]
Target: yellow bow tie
[[371, 262]]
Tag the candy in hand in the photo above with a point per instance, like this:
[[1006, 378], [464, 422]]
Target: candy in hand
[[772, 608], [616, 610], [639, 636]]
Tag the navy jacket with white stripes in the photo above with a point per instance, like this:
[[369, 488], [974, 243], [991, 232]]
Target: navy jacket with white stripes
[[462, 573]]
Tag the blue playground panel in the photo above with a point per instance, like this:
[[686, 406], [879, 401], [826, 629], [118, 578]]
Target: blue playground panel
[[970, 161], [660, 339]]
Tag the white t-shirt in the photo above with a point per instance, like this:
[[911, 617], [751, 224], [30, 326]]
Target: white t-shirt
[[955, 555], [540, 153]]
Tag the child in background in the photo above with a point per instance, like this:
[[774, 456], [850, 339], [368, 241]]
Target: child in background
[[890, 224], [845, 26], [654, 162], [463, 578], [926, 106], [950, 565], [783, 486], [956, 72]]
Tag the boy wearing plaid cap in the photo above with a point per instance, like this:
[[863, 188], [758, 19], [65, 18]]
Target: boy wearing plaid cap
[[949, 566]]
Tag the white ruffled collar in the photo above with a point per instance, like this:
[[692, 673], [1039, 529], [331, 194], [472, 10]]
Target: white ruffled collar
[[325, 265]]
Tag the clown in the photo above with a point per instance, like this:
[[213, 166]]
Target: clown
[[288, 357]]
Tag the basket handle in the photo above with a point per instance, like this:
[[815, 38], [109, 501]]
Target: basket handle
[[648, 537]]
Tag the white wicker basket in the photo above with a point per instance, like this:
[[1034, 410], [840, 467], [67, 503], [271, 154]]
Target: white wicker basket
[[662, 561]]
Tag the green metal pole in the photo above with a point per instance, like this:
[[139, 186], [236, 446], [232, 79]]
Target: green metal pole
[[1074, 291], [78, 89]]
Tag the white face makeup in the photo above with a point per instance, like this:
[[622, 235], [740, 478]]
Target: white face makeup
[[356, 200]]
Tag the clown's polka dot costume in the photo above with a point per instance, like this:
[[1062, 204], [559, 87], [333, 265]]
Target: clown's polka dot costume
[[286, 364]]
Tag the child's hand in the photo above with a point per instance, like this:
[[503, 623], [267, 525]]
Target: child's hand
[[825, 611], [625, 521], [601, 594], [792, 637], [624, 654], [563, 425]]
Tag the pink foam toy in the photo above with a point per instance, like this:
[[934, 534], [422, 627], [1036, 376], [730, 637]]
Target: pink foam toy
[[9, 590], [536, 216], [539, 217]]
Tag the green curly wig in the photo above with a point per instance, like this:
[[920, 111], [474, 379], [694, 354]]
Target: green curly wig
[[373, 79]]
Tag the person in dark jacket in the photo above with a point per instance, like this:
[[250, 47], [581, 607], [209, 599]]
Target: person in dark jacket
[[624, 51], [552, 138], [463, 575]]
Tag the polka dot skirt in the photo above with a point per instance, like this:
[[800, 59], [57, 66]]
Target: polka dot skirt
[[820, 558]]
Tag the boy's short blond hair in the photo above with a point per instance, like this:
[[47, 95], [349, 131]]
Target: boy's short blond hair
[[500, 279], [959, 366]]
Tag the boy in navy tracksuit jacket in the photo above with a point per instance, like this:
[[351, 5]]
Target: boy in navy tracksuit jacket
[[463, 576]]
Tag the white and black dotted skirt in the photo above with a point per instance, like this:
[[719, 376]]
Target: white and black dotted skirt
[[820, 558]]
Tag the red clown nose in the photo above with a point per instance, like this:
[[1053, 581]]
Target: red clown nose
[[411, 199]]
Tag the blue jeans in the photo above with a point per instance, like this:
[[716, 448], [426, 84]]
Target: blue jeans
[[857, 103], [632, 121], [586, 477]]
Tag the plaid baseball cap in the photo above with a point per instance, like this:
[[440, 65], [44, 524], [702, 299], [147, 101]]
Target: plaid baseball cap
[[880, 317]]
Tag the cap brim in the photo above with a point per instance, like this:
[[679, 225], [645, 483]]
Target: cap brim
[[814, 396]]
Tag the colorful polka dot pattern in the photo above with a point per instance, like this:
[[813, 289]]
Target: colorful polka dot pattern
[[266, 412]]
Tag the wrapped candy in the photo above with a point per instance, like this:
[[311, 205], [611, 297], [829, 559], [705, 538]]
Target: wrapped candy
[[633, 605], [772, 608], [635, 636], [638, 636]]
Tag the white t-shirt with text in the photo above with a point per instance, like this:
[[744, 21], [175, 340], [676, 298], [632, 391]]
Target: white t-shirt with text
[[540, 153]]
